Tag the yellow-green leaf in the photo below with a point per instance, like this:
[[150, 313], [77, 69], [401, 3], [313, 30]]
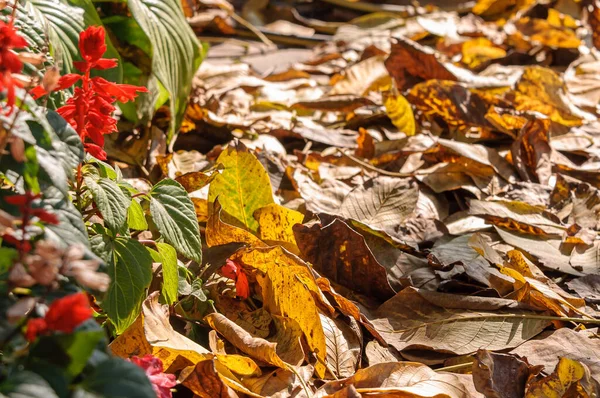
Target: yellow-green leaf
[[242, 187], [400, 113]]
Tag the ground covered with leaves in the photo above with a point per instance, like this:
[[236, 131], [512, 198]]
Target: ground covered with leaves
[[360, 199]]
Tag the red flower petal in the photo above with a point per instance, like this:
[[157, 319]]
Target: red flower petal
[[35, 327], [242, 287], [161, 382], [66, 313], [105, 63], [95, 151], [122, 92], [67, 81], [91, 43], [230, 269], [38, 92]]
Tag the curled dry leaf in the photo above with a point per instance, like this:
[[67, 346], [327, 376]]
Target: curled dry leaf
[[569, 378], [391, 379], [500, 375], [343, 347]]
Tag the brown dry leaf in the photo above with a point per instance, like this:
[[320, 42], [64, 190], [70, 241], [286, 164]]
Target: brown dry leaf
[[340, 103], [365, 143], [282, 383], [470, 255], [210, 379], [343, 347], [275, 224], [518, 216], [582, 81], [195, 180], [531, 152], [254, 346], [416, 319], [500, 375], [362, 77], [383, 203], [410, 63], [288, 289], [341, 254], [462, 109], [323, 197], [570, 378], [549, 346], [399, 379]]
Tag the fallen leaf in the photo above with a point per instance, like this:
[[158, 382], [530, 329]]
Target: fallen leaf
[[569, 377], [343, 347], [242, 187], [400, 113], [416, 319], [500, 375], [275, 225], [407, 379], [287, 289]]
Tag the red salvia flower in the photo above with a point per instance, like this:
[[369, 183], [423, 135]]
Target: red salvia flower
[[233, 270], [9, 61], [161, 382], [64, 315], [90, 110]]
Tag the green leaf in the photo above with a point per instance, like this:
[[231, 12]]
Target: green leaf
[[71, 229], [67, 351], [70, 145], [242, 187], [169, 271], [175, 50], [112, 202], [130, 270], [64, 21], [173, 213], [27, 384], [117, 378], [135, 217]]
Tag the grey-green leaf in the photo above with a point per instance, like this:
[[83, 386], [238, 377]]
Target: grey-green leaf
[[131, 273], [118, 378], [173, 213], [111, 200], [175, 50]]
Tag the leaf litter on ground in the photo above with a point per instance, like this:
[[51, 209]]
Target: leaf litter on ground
[[412, 201]]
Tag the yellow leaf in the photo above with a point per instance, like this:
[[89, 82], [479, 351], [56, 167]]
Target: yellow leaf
[[287, 288], [480, 50], [568, 375], [242, 187], [210, 378], [400, 113], [218, 232], [275, 225]]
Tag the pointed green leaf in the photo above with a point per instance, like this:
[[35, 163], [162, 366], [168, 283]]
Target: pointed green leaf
[[173, 213], [111, 200]]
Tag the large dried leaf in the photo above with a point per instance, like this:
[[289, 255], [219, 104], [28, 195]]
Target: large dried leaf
[[383, 202], [287, 288], [341, 254], [500, 375], [400, 379], [454, 324], [569, 375], [343, 347]]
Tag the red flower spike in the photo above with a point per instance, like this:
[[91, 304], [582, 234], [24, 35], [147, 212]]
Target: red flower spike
[[234, 271], [90, 110], [92, 45], [9, 62], [161, 382], [46, 216], [35, 327], [64, 315]]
